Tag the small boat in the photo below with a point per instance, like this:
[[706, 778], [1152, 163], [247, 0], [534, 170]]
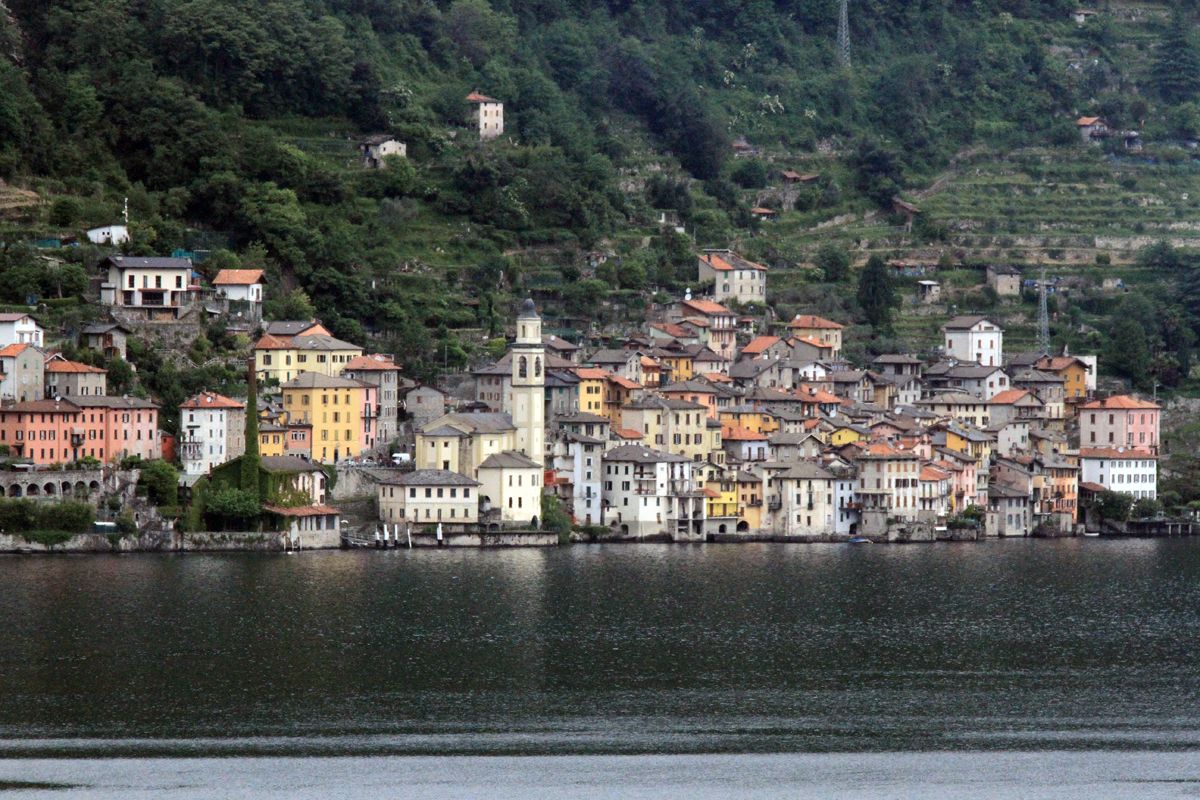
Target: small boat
[[860, 541], [1091, 534]]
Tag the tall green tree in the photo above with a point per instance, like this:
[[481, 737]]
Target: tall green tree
[[877, 294], [1175, 73], [1128, 352], [251, 461], [833, 261]]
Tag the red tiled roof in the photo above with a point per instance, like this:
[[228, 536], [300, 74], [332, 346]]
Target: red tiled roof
[[671, 329], [14, 350], [759, 344], [708, 307], [238, 277], [302, 511], [211, 400], [593, 373], [627, 433], [269, 342], [1121, 401], [1114, 453], [812, 321], [476, 97], [1009, 396], [737, 433], [373, 362], [59, 365], [812, 341]]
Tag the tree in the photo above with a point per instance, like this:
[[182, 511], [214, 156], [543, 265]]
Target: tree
[[228, 507], [1146, 507], [161, 481], [1175, 73], [120, 376], [833, 261], [295, 306], [251, 461], [1128, 354], [1113, 505], [877, 294]]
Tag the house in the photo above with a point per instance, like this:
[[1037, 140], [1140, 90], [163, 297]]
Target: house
[[1011, 436], [243, 288], [1081, 15], [511, 484], [66, 378], [648, 492], [743, 444], [982, 382], [486, 116], [929, 292], [334, 407], [697, 391], [379, 146], [671, 425], [957, 405], [800, 501], [889, 481], [574, 454], [791, 178], [283, 358], [626, 363], [111, 235], [155, 288], [381, 372], [212, 430], [789, 447], [1004, 279], [1119, 469], [286, 329], [721, 322], [58, 431], [806, 348], [298, 501], [430, 497], [557, 346], [22, 373], [1092, 129], [1015, 404], [972, 338], [421, 403], [1047, 387], [810, 326], [108, 338], [1010, 506], [765, 347], [1121, 421], [1075, 372], [20, 329], [733, 276], [893, 366]]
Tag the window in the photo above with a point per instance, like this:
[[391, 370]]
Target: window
[[267, 360]]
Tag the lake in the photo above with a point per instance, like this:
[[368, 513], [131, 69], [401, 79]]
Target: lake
[[618, 662]]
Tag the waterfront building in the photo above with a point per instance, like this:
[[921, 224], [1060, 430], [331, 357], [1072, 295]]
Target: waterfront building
[[212, 430]]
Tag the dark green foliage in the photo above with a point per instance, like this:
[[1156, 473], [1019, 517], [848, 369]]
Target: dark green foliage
[[877, 294], [227, 508], [833, 261], [555, 518], [1113, 506], [1175, 74], [750, 173], [31, 516], [161, 480], [251, 461], [1128, 354], [878, 171], [1146, 507]]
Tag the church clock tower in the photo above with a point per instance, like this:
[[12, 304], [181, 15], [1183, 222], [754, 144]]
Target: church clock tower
[[528, 384]]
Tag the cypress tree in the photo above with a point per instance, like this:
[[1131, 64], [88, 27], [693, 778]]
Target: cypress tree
[[1176, 71], [877, 294], [251, 461]]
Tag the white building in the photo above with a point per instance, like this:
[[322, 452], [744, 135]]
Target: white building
[[157, 288], [212, 430], [430, 497], [648, 492], [801, 501], [1121, 469], [512, 482], [242, 286], [20, 329], [109, 234], [575, 456], [487, 116], [733, 276], [974, 339], [378, 147], [529, 383]]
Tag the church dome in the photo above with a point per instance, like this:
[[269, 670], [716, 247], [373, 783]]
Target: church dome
[[528, 309]]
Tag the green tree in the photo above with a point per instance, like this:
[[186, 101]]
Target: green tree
[[877, 294], [1146, 507], [161, 481], [120, 376], [1128, 354], [833, 261], [1113, 505], [295, 306], [228, 507], [251, 461], [1175, 73]]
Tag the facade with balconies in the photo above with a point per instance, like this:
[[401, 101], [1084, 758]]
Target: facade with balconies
[[154, 288], [648, 493]]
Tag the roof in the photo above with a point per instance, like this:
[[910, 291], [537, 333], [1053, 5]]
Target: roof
[[1012, 396], [1058, 363], [271, 342], [238, 277], [106, 401], [445, 430], [811, 341], [593, 373], [735, 433], [319, 341], [627, 433], [671, 329], [807, 470], [641, 455], [965, 322], [137, 262], [44, 406], [431, 477], [105, 328], [725, 260], [315, 380], [509, 459], [554, 342], [302, 511], [14, 350], [62, 365], [624, 383], [372, 362], [485, 422], [813, 321], [897, 359], [1121, 401], [15, 317], [288, 464], [211, 400], [611, 357], [689, 386], [708, 307], [476, 97], [1083, 122], [759, 344], [1036, 376], [289, 327], [1115, 453], [1088, 486], [669, 403], [582, 417]]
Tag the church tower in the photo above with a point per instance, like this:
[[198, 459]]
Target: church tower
[[528, 384]]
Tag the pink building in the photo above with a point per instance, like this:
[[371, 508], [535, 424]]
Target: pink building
[[1121, 421], [105, 428]]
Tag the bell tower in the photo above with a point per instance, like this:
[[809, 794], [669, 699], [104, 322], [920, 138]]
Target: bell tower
[[528, 384]]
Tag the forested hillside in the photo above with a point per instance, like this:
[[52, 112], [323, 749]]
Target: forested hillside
[[242, 117]]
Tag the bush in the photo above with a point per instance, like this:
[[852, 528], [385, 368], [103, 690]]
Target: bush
[[161, 481], [126, 523], [47, 538], [750, 174]]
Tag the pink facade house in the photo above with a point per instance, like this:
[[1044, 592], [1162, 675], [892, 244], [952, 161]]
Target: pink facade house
[[1121, 421]]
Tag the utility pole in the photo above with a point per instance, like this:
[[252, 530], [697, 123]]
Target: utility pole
[[843, 42], [1043, 316]]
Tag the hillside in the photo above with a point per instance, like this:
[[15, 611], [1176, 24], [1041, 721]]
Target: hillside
[[237, 125]]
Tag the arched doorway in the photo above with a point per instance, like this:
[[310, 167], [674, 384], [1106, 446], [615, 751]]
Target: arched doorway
[[49, 489], [533, 523], [32, 491], [743, 527], [624, 530], [14, 491], [721, 528]]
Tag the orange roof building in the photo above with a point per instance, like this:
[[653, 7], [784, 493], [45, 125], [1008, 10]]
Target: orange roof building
[[810, 326], [238, 277]]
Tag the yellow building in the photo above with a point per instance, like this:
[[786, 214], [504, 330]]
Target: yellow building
[[751, 419], [593, 382], [282, 358], [1073, 371], [845, 434], [272, 439], [678, 427], [750, 499], [333, 406], [682, 365]]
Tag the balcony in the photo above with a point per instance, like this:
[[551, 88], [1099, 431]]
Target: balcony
[[774, 502]]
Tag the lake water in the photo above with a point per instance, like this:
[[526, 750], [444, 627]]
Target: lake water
[[996, 669]]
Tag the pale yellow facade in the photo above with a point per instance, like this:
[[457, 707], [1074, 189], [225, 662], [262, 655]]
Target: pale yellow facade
[[333, 406]]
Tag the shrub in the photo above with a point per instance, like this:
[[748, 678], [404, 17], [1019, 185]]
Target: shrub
[[126, 523], [47, 538]]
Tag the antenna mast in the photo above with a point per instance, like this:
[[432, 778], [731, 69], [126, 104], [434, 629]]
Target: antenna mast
[[1043, 316], [843, 41]]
